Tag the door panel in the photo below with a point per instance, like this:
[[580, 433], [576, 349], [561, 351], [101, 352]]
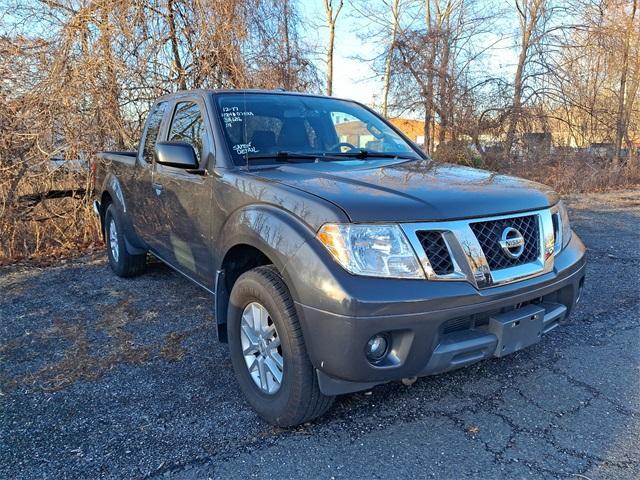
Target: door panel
[[145, 207], [186, 200]]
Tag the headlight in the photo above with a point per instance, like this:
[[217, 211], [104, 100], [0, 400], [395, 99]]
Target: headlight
[[371, 250], [561, 226]]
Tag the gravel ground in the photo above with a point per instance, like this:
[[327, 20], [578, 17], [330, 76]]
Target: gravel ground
[[104, 377]]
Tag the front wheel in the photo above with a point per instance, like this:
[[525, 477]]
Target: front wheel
[[268, 352]]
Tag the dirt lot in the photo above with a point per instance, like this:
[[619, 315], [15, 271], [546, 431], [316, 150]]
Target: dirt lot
[[104, 377]]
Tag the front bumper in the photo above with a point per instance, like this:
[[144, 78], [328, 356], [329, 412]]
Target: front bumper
[[448, 328]]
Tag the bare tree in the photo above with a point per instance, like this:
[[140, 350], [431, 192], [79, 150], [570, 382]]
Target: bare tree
[[530, 19], [280, 55], [79, 77], [386, 79], [332, 17], [585, 100], [622, 114], [434, 70], [173, 38], [438, 20], [379, 26], [432, 33]]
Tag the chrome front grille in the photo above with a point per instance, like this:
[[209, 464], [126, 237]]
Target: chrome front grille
[[471, 250], [436, 251], [489, 233]]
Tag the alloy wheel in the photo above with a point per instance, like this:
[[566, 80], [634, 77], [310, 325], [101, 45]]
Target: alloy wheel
[[113, 240], [261, 348]]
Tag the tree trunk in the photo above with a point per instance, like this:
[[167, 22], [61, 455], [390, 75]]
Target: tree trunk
[[173, 38], [287, 45], [429, 113], [430, 64], [427, 125], [516, 104], [530, 14], [330, 59], [443, 71], [395, 7], [331, 22], [621, 123], [112, 91]]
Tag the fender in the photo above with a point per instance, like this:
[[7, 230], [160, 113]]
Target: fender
[[275, 232], [111, 185]]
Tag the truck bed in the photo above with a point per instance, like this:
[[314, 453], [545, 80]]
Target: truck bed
[[126, 157], [120, 163]]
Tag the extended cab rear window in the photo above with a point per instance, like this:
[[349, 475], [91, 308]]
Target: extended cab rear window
[[153, 128], [187, 126], [264, 123]]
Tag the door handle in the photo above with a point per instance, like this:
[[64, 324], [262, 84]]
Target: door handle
[[158, 188]]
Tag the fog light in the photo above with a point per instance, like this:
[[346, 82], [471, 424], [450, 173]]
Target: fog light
[[377, 347]]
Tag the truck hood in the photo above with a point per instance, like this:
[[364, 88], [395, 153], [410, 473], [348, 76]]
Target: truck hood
[[421, 190]]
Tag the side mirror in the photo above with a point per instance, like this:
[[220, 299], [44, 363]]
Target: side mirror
[[177, 155]]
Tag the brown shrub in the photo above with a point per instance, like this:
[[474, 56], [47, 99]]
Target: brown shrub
[[576, 173], [566, 172], [39, 229]]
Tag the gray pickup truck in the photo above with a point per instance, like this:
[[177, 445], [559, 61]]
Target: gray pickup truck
[[339, 256]]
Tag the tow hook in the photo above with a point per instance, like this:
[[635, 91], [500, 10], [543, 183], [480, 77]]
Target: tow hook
[[408, 381]]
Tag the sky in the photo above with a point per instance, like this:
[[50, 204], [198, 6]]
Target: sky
[[354, 79]]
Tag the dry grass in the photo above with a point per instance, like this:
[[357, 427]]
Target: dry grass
[[80, 362], [85, 356], [566, 173], [576, 174], [172, 350]]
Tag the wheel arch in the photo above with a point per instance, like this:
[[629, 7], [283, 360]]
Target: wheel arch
[[105, 200], [240, 258], [255, 236], [113, 194]]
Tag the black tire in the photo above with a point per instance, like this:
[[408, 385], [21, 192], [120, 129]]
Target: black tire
[[299, 398], [124, 265]]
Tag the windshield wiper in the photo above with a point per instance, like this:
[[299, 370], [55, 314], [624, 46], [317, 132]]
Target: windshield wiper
[[295, 157], [282, 156], [362, 153]]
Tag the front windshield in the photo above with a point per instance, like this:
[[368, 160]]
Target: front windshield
[[259, 125]]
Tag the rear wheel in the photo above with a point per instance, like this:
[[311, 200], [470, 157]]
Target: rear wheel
[[121, 262], [268, 352]]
